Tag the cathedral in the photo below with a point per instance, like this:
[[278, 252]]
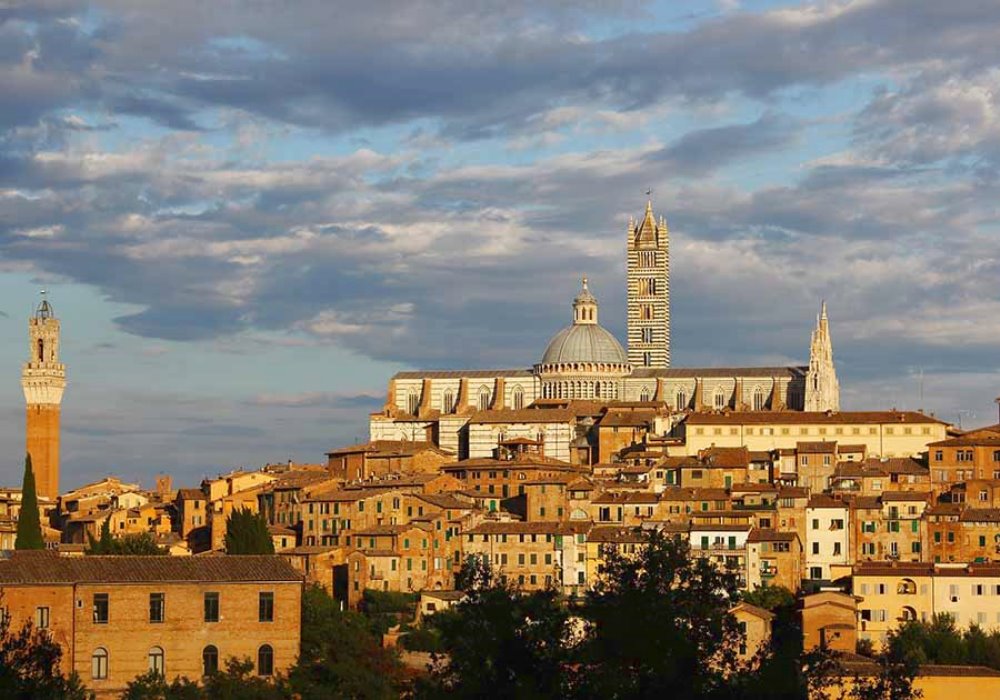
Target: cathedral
[[584, 363]]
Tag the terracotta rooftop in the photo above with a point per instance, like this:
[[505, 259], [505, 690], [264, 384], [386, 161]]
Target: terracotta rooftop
[[459, 373], [816, 447], [721, 372], [810, 418], [525, 415], [626, 418], [763, 535], [44, 567], [725, 457], [191, 495], [517, 527]]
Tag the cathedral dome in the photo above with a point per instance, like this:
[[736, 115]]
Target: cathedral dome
[[584, 343], [586, 340]]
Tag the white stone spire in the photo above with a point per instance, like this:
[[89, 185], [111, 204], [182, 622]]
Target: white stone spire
[[822, 387]]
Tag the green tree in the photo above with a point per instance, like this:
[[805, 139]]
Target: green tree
[[500, 641], [340, 657], [153, 686], [771, 598], [247, 533], [237, 682], [29, 666], [659, 625], [29, 522], [139, 543]]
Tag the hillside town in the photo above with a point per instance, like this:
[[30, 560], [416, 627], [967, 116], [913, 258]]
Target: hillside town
[[870, 519]]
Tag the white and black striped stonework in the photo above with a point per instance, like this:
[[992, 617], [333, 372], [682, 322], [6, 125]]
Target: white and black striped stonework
[[649, 292]]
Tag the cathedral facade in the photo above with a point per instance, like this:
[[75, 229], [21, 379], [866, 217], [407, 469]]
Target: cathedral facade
[[585, 365]]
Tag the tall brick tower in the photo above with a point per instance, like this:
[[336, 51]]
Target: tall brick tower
[[43, 379], [649, 291]]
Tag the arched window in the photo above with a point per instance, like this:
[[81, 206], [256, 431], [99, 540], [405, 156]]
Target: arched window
[[265, 660], [682, 399], [448, 402], [517, 397], [644, 396], [484, 398], [759, 400], [908, 614], [209, 660], [413, 402], [907, 586], [99, 664], [719, 399], [41, 350], [156, 660]]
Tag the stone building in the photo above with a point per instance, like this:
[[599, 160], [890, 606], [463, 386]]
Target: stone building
[[585, 362], [119, 617], [43, 379]]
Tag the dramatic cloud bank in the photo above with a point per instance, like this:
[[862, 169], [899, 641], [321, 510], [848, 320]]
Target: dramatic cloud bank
[[411, 183]]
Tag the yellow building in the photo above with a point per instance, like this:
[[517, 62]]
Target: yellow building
[[893, 593], [883, 433]]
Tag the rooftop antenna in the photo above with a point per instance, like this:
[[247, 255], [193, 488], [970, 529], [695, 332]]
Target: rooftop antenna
[[964, 412]]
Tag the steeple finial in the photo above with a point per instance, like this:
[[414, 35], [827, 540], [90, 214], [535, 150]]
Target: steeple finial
[[585, 283], [822, 311]]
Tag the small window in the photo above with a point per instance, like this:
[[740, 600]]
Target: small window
[[266, 607], [99, 664], [265, 660], [101, 609], [42, 618], [209, 660], [211, 607], [156, 660], [156, 607]]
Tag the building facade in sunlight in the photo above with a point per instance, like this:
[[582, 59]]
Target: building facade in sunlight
[[585, 362], [43, 378]]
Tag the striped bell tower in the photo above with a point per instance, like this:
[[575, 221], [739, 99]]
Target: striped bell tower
[[43, 379], [649, 291]]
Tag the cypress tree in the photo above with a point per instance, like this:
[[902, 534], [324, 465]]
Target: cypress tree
[[247, 533], [29, 523]]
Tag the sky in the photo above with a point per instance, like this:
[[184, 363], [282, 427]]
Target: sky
[[249, 215]]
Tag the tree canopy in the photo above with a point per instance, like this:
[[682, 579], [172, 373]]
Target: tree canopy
[[139, 543], [29, 522], [247, 533]]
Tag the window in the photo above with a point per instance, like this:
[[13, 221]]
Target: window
[[759, 400], [156, 660], [484, 398], [682, 400], [42, 618], [99, 664], [719, 399], [156, 607], [101, 609], [211, 607], [815, 547], [265, 660], [517, 398], [265, 607], [448, 402], [209, 660], [413, 403]]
